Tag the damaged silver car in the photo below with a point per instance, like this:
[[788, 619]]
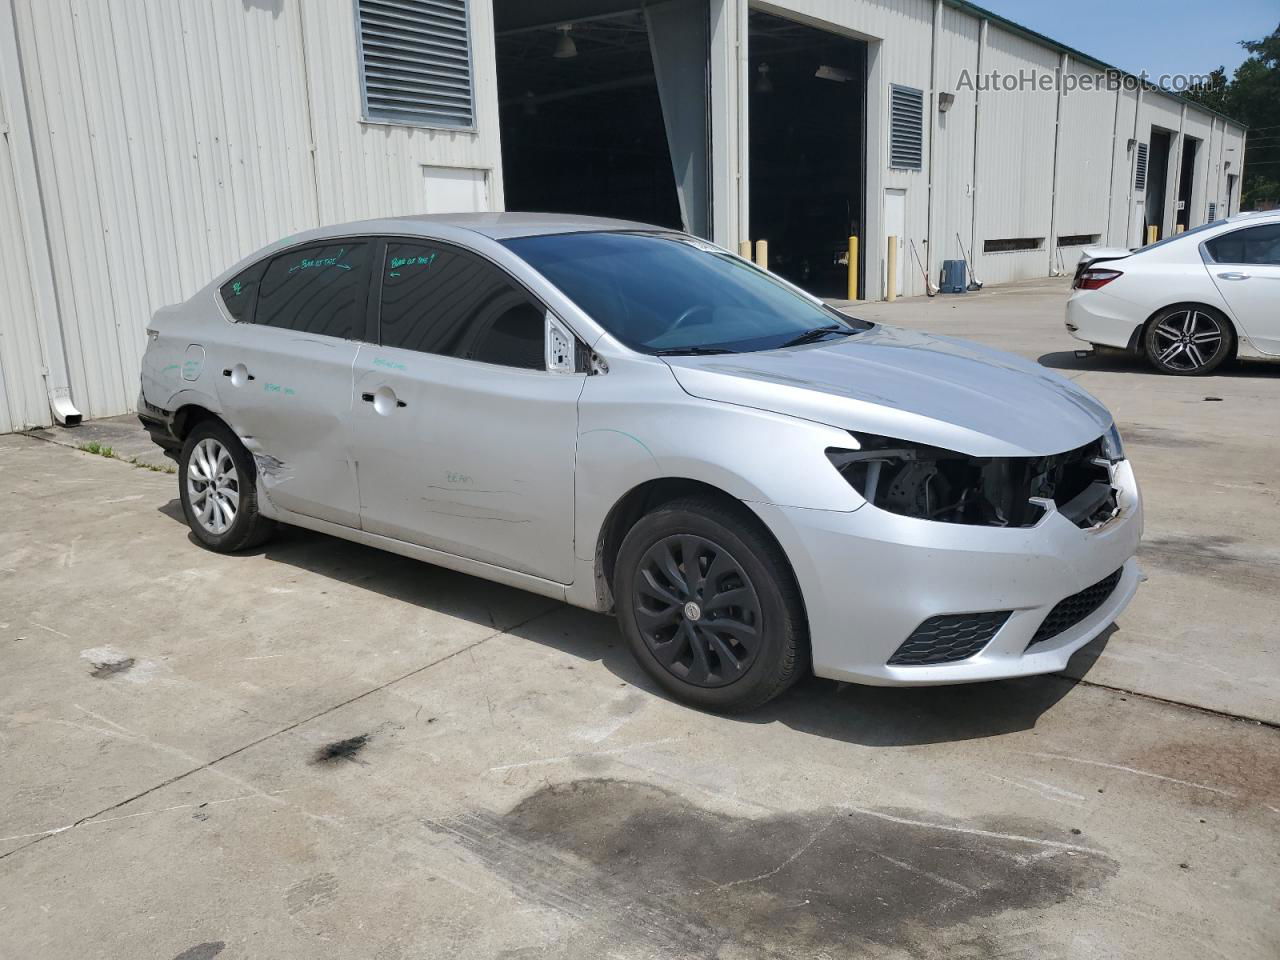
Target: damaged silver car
[[630, 419]]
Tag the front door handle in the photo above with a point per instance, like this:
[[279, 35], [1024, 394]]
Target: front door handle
[[382, 400], [1233, 275]]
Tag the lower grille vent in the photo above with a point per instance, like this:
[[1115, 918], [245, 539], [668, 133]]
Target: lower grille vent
[[1075, 608], [949, 638]]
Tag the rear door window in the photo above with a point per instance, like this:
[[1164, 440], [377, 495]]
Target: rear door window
[[321, 289], [1258, 245], [438, 299]]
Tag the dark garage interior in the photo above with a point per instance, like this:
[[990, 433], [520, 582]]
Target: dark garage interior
[[807, 110], [583, 128], [1157, 173]]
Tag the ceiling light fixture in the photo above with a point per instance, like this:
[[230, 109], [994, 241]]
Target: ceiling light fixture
[[763, 83], [566, 49]]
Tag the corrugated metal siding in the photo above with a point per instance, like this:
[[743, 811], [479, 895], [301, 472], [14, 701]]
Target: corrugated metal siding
[[953, 137], [374, 169], [1123, 158], [1015, 159], [1084, 158], [174, 137], [22, 395]]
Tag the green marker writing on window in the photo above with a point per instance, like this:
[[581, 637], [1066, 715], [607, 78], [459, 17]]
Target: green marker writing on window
[[398, 262]]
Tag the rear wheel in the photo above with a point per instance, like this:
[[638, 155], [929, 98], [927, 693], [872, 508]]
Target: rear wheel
[[1188, 341], [217, 485], [709, 606]]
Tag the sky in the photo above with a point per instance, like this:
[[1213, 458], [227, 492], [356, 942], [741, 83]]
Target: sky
[[1169, 36]]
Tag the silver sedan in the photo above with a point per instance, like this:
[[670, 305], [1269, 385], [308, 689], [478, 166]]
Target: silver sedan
[[631, 419]]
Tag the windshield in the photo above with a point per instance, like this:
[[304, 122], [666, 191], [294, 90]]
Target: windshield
[[669, 294]]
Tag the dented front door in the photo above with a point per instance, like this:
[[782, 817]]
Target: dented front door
[[473, 459]]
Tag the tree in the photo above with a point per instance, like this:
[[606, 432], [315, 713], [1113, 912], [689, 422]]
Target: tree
[[1252, 96]]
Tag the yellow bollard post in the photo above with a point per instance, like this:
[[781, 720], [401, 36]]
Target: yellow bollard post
[[762, 254], [744, 249], [853, 268], [1153, 233], [891, 275], [1180, 228]]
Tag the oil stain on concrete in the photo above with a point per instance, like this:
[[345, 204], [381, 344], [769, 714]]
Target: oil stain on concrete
[[340, 750], [202, 951], [651, 868]]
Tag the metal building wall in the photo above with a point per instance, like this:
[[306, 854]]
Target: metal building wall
[[173, 137], [1015, 160], [953, 138], [1120, 230], [1002, 164], [22, 397], [1086, 152]]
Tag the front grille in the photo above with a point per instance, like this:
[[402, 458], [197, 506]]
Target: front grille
[[1075, 608], [949, 638]]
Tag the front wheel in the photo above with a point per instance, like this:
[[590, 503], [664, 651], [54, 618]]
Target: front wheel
[[216, 481], [1188, 341], [709, 606]]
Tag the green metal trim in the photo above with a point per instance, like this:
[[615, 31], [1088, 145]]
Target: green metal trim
[[984, 14]]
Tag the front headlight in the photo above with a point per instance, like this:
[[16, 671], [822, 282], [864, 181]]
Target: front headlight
[[1112, 446], [931, 483]]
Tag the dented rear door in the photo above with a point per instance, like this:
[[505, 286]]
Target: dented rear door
[[286, 379]]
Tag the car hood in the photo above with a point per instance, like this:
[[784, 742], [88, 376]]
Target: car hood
[[910, 386]]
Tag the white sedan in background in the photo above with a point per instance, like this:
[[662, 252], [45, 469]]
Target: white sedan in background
[[1187, 303]]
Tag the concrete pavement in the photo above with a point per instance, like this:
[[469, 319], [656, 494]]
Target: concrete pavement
[[319, 750]]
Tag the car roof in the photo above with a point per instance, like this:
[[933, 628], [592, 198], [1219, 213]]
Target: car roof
[[1253, 215], [504, 226]]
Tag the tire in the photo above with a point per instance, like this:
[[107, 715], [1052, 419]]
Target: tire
[[1188, 340], [732, 637], [223, 515]]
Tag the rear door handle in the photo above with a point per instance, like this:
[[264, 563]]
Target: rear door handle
[[248, 375], [1233, 275]]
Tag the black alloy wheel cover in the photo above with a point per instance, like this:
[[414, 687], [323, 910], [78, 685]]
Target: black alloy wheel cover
[[697, 610]]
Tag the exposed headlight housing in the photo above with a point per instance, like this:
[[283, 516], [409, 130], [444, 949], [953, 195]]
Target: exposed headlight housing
[[931, 483], [1112, 446]]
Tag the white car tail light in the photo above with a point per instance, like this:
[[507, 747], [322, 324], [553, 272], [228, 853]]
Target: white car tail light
[[1095, 279]]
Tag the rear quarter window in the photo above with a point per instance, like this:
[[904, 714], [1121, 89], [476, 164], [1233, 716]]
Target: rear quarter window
[[240, 293]]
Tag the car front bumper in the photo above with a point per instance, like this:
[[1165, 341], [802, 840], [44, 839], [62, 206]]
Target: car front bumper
[[869, 578]]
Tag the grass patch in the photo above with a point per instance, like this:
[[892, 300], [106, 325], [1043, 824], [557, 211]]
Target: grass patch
[[93, 446], [102, 450]]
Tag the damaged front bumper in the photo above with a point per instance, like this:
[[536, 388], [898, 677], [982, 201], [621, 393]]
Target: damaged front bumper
[[871, 578]]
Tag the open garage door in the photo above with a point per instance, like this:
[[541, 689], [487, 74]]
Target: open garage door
[[807, 112], [604, 108]]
